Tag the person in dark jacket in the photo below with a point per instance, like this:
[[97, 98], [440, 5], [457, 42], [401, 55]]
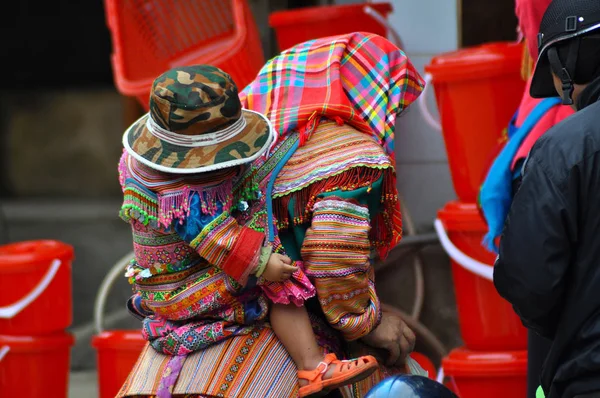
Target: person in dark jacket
[[549, 261], [529, 14]]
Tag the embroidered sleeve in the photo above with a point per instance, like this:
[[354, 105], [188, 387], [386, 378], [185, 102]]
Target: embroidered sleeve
[[336, 256], [220, 240]]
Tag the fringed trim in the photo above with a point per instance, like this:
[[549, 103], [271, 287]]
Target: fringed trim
[[304, 199], [385, 229], [176, 205], [384, 235], [146, 205], [140, 206], [162, 209], [246, 188]]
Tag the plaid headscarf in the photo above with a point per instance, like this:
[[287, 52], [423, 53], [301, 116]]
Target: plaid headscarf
[[359, 78]]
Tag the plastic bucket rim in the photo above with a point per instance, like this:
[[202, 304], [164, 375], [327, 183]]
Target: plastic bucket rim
[[26, 344], [315, 14], [118, 339], [474, 74], [451, 67], [486, 53], [467, 363], [35, 258], [459, 216]]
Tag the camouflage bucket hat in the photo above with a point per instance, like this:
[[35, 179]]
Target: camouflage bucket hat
[[196, 124]]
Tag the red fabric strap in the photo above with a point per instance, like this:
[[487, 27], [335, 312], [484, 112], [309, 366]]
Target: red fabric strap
[[246, 247]]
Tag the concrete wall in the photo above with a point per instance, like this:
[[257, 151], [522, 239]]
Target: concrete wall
[[426, 28], [424, 176]]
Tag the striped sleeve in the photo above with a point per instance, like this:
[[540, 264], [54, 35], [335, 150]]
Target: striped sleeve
[[229, 246], [336, 257]]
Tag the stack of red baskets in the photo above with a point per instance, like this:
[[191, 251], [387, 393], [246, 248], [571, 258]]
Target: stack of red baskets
[[478, 90], [35, 310]]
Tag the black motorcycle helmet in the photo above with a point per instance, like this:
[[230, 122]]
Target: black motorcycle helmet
[[569, 46]]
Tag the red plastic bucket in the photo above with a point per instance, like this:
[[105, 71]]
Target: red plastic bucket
[[117, 353], [303, 24], [35, 281], [33, 367], [477, 90], [487, 321], [487, 374]]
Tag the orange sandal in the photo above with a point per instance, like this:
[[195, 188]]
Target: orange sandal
[[346, 372]]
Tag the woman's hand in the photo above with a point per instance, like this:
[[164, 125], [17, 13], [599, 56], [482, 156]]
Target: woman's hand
[[279, 268], [394, 336]]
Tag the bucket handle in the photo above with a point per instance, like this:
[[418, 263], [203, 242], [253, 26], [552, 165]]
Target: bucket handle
[[113, 275], [465, 261], [10, 311], [427, 115], [441, 378], [373, 13], [3, 351], [440, 375]]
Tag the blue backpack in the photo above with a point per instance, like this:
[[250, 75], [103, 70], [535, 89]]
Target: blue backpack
[[495, 195]]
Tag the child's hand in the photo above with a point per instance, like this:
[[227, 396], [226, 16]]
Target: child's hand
[[279, 268]]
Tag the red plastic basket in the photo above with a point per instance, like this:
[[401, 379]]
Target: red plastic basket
[[152, 36]]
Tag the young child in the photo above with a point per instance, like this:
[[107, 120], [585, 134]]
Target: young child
[[192, 186]]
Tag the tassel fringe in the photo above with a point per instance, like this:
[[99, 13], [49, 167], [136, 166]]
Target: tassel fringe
[[384, 231]]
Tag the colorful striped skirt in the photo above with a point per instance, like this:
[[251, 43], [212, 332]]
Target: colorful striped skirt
[[251, 366]]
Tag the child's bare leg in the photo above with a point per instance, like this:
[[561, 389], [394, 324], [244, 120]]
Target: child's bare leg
[[292, 327]]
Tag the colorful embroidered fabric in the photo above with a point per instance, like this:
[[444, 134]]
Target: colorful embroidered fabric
[[336, 256], [196, 307], [183, 338], [159, 252], [298, 288], [205, 301], [366, 82], [295, 290], [227, 245], [359, 79], [219, 241], [201, 290], [171, 278], [251, 366], [353, 303], [332, 150], [337, 158], [156, 198]]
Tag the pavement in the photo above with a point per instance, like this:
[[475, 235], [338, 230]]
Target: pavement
[[83, 385]]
